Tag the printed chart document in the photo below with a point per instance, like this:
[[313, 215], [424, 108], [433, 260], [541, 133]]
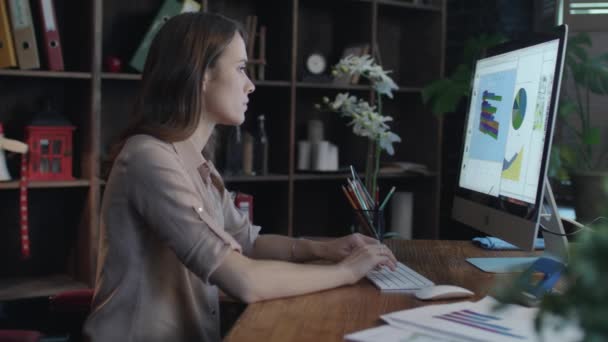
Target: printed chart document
[[389, 333], [478, 321]]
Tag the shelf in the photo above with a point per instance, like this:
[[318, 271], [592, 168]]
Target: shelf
[[120, 76], [320, 85], [409, 90], [405, 4], [311, 85], [46, 74], [267, 178], [137, 77], [272, 83], [47, 184], [404, 175], [24, 287], [343, 176], [280, 84]]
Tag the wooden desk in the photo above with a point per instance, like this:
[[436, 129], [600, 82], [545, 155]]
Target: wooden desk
[[329, 315]]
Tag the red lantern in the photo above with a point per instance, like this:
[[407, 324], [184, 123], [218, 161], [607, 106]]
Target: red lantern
[[50, 155]]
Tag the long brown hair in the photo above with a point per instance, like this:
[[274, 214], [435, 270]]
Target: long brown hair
[[169, 103]]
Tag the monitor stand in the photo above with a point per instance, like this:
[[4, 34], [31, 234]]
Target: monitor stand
[[556, 247]]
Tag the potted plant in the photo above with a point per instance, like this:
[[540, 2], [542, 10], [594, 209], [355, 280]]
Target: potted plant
[[584, 300], [580, 301], [581, 156]]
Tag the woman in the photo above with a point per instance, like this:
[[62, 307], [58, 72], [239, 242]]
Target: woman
[[169, 230]]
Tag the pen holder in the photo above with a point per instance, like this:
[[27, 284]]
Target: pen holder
[[369, 222]]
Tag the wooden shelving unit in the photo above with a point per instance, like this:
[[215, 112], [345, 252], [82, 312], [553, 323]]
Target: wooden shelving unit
[[48, 184], [45, 74], [409, 36]]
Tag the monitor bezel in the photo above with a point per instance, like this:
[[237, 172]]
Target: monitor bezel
[[483, 199]]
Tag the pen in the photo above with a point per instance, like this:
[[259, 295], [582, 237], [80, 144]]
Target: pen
[[358, 196], [350, 199], [358, 180], [388, 196], [358, 212]]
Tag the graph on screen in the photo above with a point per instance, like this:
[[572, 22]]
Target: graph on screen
[[519, 109], [492, 112], [511, 169], [487, 124]]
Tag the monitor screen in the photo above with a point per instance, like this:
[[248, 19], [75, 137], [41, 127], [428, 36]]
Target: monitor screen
[[507, 137]]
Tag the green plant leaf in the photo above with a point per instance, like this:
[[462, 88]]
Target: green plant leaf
[[462, 73], [566, 107], [568, 156], [591, 72], [445, 94], [591, 136], [581, 39], [577, 53], [447, 101], [475, 47], [577, 47], [433, 89], [555, 163], [597, 74]]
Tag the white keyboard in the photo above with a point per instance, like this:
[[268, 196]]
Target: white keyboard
[[402, 279]]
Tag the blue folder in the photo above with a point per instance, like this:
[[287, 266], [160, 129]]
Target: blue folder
[[498, 244]]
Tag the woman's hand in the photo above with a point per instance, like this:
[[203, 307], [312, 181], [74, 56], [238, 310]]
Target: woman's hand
[[338, 249], [365, 258]]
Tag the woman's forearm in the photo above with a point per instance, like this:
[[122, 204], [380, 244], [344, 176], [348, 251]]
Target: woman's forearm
[[278, 247], [256, 280], [276, 279]]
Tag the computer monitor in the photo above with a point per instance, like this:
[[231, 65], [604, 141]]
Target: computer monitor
[[502, 187]]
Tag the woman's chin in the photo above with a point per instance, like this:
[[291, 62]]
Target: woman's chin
[[233, 120], [239, 121]]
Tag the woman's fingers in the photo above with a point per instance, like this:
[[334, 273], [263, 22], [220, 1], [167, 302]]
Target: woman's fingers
[[391, 262], [366, 239]]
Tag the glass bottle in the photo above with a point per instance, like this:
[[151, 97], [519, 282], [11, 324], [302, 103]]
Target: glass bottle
[[260, 152], [234, 152]]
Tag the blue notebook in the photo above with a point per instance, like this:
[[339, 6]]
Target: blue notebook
[[498, 244]]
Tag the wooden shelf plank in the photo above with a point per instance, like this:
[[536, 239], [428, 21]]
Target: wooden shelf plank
[[406, 174], [272, 83], [47, 184], [409, 90], [120, 76], [406, 4], [305, 85], [46, 74], [320, 85], [27, 287], [266, 178], [311, 85], [343, 176], [137, 77]]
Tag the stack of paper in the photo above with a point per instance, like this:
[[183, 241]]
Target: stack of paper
[[465, 321]]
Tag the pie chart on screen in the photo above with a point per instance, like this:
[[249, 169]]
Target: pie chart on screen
[[519, 109]]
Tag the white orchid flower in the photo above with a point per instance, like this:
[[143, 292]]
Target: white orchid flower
[[367, 67], [365, 118]]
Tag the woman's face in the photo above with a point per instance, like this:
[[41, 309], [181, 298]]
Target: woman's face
[[226, 86]]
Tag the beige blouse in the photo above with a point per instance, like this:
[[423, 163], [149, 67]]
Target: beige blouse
[[167, 223]]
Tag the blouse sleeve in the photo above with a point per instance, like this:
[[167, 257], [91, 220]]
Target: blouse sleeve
[[165, 198], [238, 225]]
